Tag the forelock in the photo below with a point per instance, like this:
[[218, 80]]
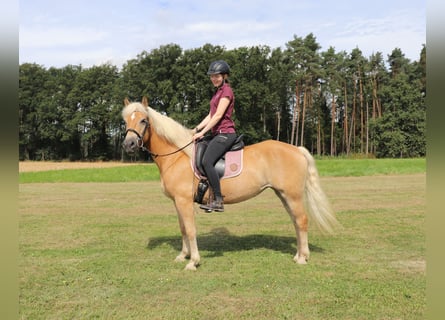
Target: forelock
[[134, 107]]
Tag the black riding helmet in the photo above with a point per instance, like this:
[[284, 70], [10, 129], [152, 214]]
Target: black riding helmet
[[219, 67]]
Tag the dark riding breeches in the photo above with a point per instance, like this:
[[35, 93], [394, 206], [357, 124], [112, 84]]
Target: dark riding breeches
[[216, 148]]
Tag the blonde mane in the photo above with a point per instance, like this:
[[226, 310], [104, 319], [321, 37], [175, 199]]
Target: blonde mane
[[164, 126]]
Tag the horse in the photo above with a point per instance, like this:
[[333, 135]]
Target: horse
[[289, 170]]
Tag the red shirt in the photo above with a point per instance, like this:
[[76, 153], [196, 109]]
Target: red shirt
[[226, 124]]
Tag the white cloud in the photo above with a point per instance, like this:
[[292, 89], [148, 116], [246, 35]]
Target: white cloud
[[39, 37], [231, 34], [85, 57], [384, 42], [62, 33], [240, 27], [401, 30], [400, 21]]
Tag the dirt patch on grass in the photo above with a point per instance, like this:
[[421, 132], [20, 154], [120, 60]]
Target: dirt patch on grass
[[410, 265], [28, 166]]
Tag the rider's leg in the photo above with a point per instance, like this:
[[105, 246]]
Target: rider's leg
[[215, 150]]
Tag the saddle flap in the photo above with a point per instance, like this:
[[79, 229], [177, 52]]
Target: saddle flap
[[200, 148]]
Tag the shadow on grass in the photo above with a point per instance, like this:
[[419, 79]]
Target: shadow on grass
[[220, 240]]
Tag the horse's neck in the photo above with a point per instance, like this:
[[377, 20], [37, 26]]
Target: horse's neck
[[160, 146]]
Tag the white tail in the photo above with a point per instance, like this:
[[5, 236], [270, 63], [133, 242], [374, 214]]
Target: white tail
[[317, 204]]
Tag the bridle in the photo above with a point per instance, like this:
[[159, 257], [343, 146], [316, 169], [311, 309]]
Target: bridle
[[140, 141]]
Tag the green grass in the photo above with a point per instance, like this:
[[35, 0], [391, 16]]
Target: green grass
[[143, 172], [149, 172], [106, 250], [370, 167]]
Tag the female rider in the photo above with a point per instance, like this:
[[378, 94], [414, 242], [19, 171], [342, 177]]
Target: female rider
[[219, 121]]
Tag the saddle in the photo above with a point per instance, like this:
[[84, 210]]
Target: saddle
[[228, 166]]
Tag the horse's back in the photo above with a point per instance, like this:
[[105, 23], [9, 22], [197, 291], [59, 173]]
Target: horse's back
[[275, 156], [267, 164], [274, 148], [272, 144]]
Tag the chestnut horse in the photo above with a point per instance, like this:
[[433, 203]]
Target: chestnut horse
[[289, 170]]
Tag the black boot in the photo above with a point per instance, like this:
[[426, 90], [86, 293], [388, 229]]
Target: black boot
[[216, 204], [203, 185]]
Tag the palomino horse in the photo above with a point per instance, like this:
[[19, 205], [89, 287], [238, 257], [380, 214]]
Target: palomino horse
[[289, 170]]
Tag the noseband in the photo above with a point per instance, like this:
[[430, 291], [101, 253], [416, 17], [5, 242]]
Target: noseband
[[140, 141]]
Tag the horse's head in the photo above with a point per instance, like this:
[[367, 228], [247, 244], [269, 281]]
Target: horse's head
[[137, 124]]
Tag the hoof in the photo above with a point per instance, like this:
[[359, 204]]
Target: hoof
[[180, 258], [300, 259], [190, 266]]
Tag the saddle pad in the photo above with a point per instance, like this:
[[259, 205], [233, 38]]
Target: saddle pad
[[233, 164]]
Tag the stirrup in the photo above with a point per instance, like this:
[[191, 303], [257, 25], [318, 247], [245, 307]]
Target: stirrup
[[206, 208], [213, 205]]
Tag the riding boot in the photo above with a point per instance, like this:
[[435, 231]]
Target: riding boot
[[216, 204]]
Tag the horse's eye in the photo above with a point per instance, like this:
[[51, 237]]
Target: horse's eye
[[144, 121]]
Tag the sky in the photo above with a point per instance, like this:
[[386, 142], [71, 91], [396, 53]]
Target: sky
[[55, 33]]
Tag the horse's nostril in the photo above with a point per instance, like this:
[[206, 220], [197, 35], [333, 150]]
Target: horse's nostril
[[129, 145]]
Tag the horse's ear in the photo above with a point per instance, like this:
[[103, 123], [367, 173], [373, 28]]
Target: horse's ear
[[145, 101], [126, 102]]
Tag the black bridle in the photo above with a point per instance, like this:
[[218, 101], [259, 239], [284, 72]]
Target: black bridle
[[140, 141]]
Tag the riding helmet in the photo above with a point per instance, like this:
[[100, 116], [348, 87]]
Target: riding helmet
[[219, 67]]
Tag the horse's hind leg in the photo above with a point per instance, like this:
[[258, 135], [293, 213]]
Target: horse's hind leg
[[186, 216], [295, 208]]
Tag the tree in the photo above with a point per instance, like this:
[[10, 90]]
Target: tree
[[252, 99], [332, 102], [93, 104], [332, 63], [304, 57], [377, 76], [32, 79], [357, 66], [280, 95], [400, 132]]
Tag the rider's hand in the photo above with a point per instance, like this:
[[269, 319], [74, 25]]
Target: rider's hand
[[198, 136]]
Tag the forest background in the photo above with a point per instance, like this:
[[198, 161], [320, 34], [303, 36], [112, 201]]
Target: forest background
[[334, 103]]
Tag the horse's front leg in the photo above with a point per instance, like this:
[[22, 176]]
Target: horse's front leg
[[186, 217], [185, 251]]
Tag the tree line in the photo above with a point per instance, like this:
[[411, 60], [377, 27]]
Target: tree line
[[333, 103]]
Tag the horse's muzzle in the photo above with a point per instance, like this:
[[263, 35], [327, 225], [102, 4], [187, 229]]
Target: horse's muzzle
[[130, 144]]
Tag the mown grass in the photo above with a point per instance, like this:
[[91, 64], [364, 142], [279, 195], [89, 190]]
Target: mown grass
[[91, 250], [369, 167], [137, 172], [149, 172]]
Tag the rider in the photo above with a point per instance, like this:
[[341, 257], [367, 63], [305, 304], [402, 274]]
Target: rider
[[219, 121]]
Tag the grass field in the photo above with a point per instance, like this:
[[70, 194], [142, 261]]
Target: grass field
[[148, 172], [99, 250]]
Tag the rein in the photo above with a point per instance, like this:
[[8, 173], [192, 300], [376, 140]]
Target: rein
[[155, 155], [144, 148]]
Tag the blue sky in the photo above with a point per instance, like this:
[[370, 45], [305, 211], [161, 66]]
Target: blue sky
[[58, 33]]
